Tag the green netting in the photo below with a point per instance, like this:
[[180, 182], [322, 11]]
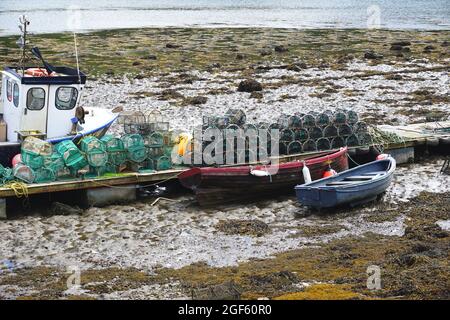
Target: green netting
[[330, 131], [163, 163], [6, 174], [133, 141], [73, 158], [37, 146], [309, 145], [323, 119], [352, 141], [55, 162], [113, 144], [137, 154], [360, 127], [44, 175], [315, 133], [352, 117], [337, 142], [308, 120], [97, 159], [301, 135], [31, 159], [344, 130], [155, 152], [92, 144], [340, 117], [323, 144], [24, 173], [117, 158], [294, 147], [287, 135]]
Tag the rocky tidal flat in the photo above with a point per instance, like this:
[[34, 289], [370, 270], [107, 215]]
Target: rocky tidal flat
[[272, 248]]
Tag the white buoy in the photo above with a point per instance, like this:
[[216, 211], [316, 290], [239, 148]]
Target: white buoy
[[306, 173]]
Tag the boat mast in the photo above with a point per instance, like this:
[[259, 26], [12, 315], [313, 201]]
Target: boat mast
[[22, 42]]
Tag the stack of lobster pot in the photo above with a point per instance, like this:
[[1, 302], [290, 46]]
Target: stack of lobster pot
[[36, 157], [96, 154]]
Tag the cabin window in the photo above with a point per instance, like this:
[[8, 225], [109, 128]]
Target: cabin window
[[9, 90], [35, 98], [16, 94], [66, 98]]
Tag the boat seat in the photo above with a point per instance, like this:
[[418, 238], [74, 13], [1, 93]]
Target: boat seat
[[358, 178], [340, 183], [374, 173]]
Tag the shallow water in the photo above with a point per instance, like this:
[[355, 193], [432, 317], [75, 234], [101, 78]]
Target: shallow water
[[69, 15]]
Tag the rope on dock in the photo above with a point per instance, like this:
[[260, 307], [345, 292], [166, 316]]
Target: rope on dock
[[137, 181], [20, 189]]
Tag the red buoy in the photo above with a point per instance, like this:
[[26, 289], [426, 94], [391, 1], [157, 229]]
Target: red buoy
[[17, 159], [382, 156]]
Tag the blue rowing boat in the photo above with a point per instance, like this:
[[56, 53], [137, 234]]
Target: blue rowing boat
[[352, 187]]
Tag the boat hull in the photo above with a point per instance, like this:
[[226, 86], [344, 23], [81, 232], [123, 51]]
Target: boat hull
[[318, 195], [231, 184]]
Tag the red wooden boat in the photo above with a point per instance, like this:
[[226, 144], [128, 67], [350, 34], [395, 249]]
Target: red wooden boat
[[229, 184]]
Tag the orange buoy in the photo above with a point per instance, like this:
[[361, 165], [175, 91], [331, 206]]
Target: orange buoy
[[329, 173], [38, 72]]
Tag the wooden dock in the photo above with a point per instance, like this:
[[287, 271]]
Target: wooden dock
[[435, 134]]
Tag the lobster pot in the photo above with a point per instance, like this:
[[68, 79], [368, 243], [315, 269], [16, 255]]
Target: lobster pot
[[344, 130], [337, 142], [37, 146], [158, 126], [236, 116], [315, 133], [323, 119], [296, 122], [24, 173], [134, 123], [339, 117], [360, 127], [155, 139], [330, 131], [308, 121], [112, 144], [97, 158], [154, 152], [32, 160], [232, 127], [133, 141], [364, 138], [6, 174], [301, 135], [91, 144], [294, 147], [117, 158], [43, 175], [287, 135], [137, 154], [309, 146], [352, 117], [352, 141], [72, 156], [323, 144], [54, 162], [263, 125]]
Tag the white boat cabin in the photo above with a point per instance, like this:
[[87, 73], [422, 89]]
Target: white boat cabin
[[37, 103]]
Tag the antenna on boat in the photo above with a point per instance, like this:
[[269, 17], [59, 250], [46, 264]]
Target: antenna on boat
[[22, 41]]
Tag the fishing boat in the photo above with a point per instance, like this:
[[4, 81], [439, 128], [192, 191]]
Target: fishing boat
[[229, 184], [43, 101], [352, 187]]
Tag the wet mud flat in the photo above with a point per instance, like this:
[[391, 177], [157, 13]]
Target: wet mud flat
[[273, 249], [268, 249]]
